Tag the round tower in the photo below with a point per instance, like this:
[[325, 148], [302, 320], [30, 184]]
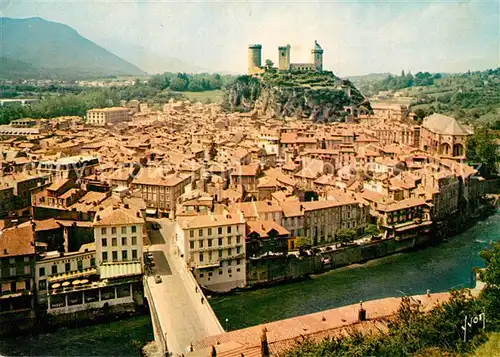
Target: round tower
[[254, 58], [317, 56]]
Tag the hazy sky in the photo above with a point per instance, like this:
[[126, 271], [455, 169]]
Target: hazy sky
[[358, 37]]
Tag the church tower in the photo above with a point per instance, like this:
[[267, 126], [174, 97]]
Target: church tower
[[284, 58], [317, 57]]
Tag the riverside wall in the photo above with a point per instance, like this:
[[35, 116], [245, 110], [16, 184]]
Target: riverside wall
[[285, 268]]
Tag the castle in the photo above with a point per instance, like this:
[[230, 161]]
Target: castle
[[255, 59]]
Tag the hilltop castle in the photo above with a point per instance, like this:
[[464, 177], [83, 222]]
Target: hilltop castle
[[255, 59]]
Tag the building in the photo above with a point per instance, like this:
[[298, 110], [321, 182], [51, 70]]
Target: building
[[444, 136], [118, 233], [255, 59], [266, 237], [160, 190], [213, 246], [23, 185], [316, 63], [17, 262], [105, 116], [53, 267], [71, 167]]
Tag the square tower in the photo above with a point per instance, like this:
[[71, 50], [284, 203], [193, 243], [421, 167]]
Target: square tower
[[284, 58], [317, 56]]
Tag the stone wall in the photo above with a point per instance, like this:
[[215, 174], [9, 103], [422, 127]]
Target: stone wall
[[278, 268]]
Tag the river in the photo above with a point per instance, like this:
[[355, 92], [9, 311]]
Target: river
[[438, 268]]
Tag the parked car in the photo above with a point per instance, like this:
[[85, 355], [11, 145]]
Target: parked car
[[158, 279], [327, 260]]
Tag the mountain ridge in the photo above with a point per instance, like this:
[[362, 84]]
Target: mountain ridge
[[57, 50]]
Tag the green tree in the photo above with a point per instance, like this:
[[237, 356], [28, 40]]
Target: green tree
[[303, 242], [372, 230], [178, 84], [269, 64], [482, 147], [491, 276], [159, 81], [345, 235], [195, 85]]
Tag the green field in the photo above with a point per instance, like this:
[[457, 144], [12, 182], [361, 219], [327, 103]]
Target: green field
[[212, 96], [117, 338]]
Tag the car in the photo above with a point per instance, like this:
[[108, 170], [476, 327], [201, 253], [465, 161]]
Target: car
[[157, 279]]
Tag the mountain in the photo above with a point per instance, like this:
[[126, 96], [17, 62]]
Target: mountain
[[35, 47], [320, 96]]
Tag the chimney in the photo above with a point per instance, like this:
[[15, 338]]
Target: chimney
[[5, 251], [126, 206]]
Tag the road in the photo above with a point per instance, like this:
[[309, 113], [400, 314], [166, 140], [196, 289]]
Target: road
[[175, 303]]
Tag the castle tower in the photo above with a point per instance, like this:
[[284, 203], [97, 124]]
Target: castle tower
[[317, 56], [284, 58], [254, 59]]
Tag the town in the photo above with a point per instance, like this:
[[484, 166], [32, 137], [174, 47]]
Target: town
[[239, 193]]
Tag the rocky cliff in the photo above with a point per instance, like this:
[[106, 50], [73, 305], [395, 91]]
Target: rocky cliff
[[318, 96]]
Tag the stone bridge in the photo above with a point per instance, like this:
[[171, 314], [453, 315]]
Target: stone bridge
[[180, 312]]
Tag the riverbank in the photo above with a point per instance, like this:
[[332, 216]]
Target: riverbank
[[438, 268], [122, 337]]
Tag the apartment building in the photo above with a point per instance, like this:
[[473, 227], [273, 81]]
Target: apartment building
[[213, 246], [23, 183], [105, 116], [118, 233], [17, 262], [70, 167], [160, 190]]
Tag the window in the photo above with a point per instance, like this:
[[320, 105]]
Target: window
[[191, 245], [42, 284], [104, 256], [191, 233], [238, 270], [201, 243], [201, 257], [238, 250], [134, 240], [41, 272], [124, 240], [103, 231], [229, 271], [200, 233], [210, 274], [26, 259], [220, 241], [124, 230], [209, 242], [113, 230], [92, 262], [134, 229], [209, 256], [238, 239], [134, 253], [220, 272], [12, 260], [27, 284], [67, 267], [229, 240], [114, 242], [27, 269], [229, 251], [115, 255], [79, 265], [54, 269], [219, 230], [238, 261], [210, 231], [201, 275], [104, 242], [124, 255], [220, 253], [229, 230]]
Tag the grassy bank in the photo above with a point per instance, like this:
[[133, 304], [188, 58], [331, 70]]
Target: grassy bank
[[490, 348]]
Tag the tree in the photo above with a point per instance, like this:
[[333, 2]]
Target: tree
[[481, 147], [179, 84], [303, 242], [345, 235], [372, 230], [159, 81], [269, 64], [491, 276]]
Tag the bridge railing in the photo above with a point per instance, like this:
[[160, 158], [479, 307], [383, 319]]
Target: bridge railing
[[162, 342]]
